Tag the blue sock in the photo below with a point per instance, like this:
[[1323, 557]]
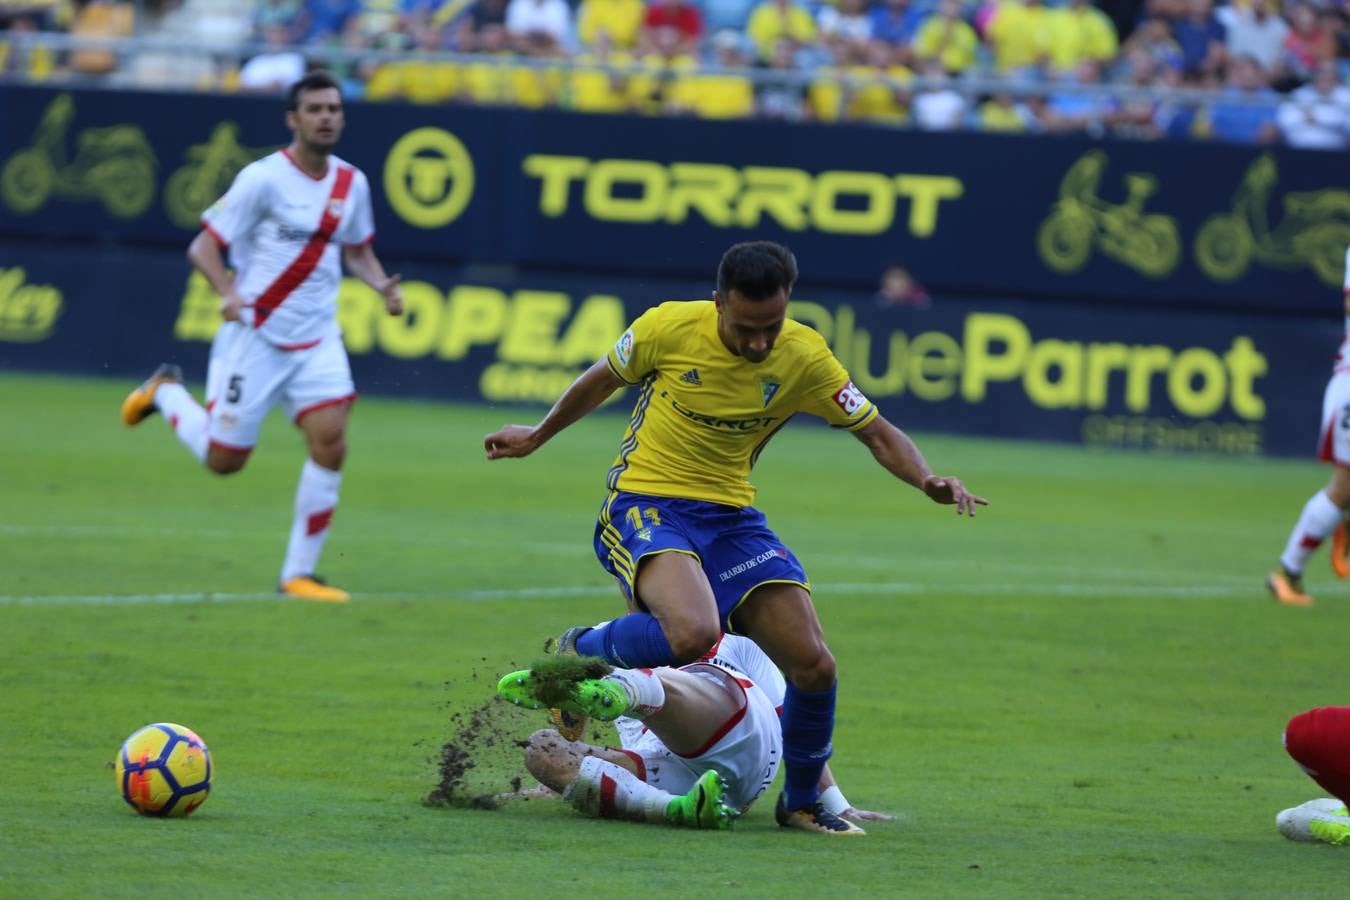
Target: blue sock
[[631, 642], [808, 725]]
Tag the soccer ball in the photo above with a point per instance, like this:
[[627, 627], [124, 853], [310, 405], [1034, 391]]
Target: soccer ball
[[164, 770]]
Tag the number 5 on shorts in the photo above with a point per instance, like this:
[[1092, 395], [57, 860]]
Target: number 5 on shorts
[[235, 389]]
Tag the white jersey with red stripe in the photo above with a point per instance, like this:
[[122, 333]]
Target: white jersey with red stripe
[[742, 656], [746, 750], [283, 228]]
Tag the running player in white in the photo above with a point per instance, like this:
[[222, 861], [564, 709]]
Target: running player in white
[[1324, 513], [699, 743], [282, 221]]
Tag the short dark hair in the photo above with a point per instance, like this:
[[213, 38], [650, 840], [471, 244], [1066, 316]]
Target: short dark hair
[[317, 80], [758, 269]]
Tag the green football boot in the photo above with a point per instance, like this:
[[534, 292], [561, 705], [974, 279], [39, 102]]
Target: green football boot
[[594, 697], [705, 806]]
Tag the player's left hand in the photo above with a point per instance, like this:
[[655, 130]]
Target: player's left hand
[[511, 442], [393, 294], [952, 491], [865, 815]]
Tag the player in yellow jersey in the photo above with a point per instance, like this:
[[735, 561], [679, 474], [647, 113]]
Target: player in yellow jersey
[[717, 379]]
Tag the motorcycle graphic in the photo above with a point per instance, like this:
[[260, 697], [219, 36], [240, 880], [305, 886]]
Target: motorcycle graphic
[[113, 165], [207, 175], [1313, 232], [1082, 220]]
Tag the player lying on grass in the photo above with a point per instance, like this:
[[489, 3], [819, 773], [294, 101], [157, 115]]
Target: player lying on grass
[[1319, 741], [698, 743]]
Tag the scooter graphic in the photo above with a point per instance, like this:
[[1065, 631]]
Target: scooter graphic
[[1080, 220], [113, 165], [1314, 231], [207, 175]]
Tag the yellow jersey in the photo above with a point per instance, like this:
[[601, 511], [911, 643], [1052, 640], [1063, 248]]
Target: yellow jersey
[[703, 414]]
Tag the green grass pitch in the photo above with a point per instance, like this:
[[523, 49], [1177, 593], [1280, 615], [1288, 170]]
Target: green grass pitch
[[1079, 693]]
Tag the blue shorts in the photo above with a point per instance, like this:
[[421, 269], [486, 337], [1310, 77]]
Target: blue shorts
[[734, 545]]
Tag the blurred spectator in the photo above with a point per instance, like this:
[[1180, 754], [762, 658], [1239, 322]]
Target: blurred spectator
[[1080, 32], [1307, 43], [380, 19], [593, 88], [722, 14], [1255, 31], [416, 79], [618, 19], [896, 23], [276, 68], [488, 14], [785, 98], [1019, 36], [946, 37], [1247, 121], [1202, 38], [287, 14], [1074, 110], [1003, 112], [775, 20], [899, 290], [938, 107], [716, 95], [538, 26], [678, 15], [1154, 37], [35, 63], [101, 19], [1136, 117], [846, 23], [1317, 116], [326, 20], [875, 88]]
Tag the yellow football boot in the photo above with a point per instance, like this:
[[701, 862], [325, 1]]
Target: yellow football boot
[[140, 403], [312, 587], [1288, 589]]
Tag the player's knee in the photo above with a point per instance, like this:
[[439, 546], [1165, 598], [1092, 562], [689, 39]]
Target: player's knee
[[329, 450], [226, 463], [816, 672], [689, 642], [544, 752]]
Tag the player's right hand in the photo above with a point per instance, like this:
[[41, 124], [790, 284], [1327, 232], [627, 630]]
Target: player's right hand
[[231, 305], [512, 442]]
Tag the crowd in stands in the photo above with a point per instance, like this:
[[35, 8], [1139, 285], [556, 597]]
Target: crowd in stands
[[1275, 73]]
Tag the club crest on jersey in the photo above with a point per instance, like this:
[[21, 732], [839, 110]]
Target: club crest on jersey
[[768, 387], [335, 207], [623, 350]]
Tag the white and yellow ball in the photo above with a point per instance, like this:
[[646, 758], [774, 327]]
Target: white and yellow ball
[[164, 770]]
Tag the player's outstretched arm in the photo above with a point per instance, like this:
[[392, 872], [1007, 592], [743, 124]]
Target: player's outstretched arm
[[834, 801], [583, 395], [898, 455], [365, 265]]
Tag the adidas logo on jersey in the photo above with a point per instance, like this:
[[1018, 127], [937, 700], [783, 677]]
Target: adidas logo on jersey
[[691, 377]]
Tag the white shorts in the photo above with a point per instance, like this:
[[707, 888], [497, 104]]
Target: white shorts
[[1334, 446], [746, 750], [248, 376]]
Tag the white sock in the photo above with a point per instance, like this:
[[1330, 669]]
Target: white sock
[[646, 693], [316, 497], [607, 791], [1320, 517], [185, 416]]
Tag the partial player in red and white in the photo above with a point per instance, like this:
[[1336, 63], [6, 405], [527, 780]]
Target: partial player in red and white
[[282, 222], [698, 743], [1319, 741], [1324, 514]]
